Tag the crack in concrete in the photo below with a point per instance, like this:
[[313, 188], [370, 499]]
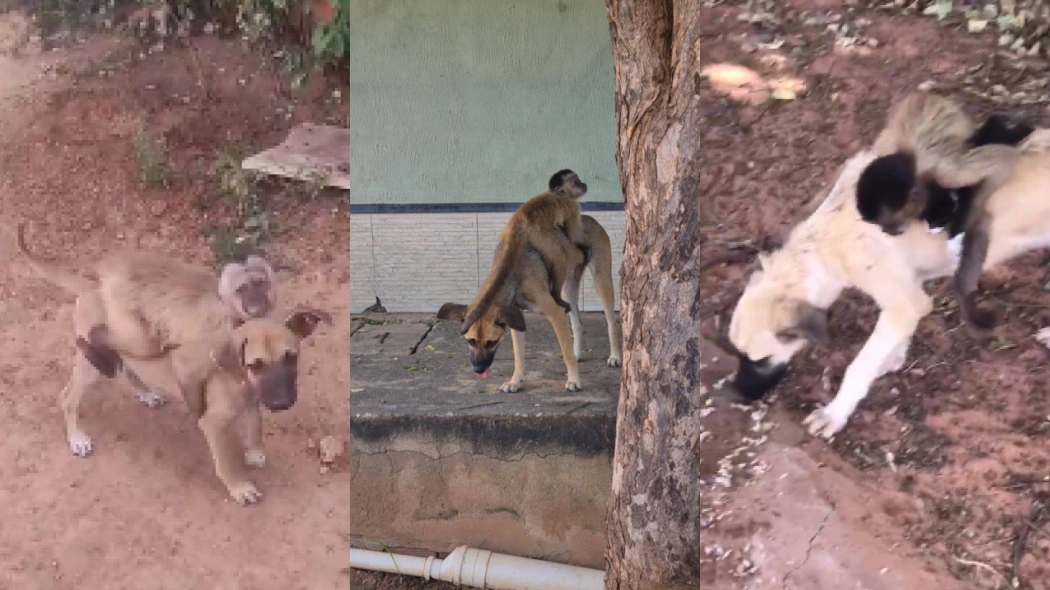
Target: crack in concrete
[[809, 547], [430, 327], [358, 328]]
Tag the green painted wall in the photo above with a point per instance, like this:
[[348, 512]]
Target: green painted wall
[[474, 101]]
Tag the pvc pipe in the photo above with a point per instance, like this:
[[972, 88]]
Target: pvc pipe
[[483, 569]]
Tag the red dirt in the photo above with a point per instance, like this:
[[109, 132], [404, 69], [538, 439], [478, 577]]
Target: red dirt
[[145, 509]]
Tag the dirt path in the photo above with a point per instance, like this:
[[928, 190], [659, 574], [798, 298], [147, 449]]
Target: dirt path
[[145, 510]]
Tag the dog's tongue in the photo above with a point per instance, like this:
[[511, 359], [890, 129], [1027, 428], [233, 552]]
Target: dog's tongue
[[482, 374]]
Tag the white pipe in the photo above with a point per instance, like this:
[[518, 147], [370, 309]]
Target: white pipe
[[483, 569]]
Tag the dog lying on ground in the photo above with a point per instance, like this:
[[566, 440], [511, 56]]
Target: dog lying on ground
[[527, 288], [784, 304]]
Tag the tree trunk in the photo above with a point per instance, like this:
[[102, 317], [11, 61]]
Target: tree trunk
[[654, 517]]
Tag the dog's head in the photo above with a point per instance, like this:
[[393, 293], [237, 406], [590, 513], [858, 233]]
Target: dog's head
[[767, 328], [266, 354], [484, 334]]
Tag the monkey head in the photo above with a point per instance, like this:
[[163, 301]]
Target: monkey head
[[245, 287], [566, 183], [265, 353], [485, 334], [888, 194]]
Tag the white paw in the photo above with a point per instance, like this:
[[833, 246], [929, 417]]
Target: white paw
[[152, 399], [255, 458], [80, 444], [826, 421], [614, 361], [573, 385], [510, 386], [1043, 336], [245, 493]]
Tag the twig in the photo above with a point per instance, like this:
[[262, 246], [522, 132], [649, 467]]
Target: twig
[[978, 564], [1024, 529]]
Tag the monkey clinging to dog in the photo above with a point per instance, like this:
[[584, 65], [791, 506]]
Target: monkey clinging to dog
[[147, 305], [550, 224], [928, 142], [885, 197]]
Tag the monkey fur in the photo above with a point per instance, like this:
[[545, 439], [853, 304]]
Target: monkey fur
[[883, 197], [550, 224]]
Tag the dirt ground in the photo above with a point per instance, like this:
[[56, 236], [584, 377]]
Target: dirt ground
[[145, 509]]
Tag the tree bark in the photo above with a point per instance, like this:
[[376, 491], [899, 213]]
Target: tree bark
[[654, 518]]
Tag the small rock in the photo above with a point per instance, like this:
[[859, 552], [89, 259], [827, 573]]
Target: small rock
[[990, 11], [976, 26], [927, 85], [330, 448], [1005, 39]]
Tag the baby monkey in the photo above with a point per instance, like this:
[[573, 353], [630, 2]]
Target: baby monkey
[[550, 224], [929, 142], [886, 195]]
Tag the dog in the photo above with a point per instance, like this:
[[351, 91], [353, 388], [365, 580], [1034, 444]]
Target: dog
[[527, 288], [234, 373]]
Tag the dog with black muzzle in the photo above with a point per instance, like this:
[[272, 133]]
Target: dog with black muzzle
[[226, 379]]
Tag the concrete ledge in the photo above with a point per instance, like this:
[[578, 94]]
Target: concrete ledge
[[439, 459]]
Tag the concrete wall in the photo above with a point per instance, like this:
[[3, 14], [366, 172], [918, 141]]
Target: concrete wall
[[417, 261], [476, 101]]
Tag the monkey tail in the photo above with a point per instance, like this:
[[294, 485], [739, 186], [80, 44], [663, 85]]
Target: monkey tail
[[69, 281], [501, 269]]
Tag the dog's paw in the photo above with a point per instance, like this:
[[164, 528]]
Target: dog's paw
[[80, 444], [255, 457], [614, 361], [826, 421], [244, 493], [152, 399], [510, 387], [572, 385]]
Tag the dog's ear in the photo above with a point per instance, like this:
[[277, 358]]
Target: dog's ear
[[452, 311], [810, 322], [303, 321], [513, 317]]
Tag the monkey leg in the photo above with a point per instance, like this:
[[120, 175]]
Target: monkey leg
[[974, 253], [89, 317], [84, 375], [993, 163], [249, 424], [217, 424], [559, 255]]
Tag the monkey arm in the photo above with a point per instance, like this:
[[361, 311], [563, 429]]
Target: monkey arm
[[991, 164]]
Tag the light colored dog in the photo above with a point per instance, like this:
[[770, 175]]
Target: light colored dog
[[784, 304]]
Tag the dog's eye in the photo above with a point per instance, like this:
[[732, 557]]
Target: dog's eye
[[491, 343], [501, 325], [256, 366], [472, 342]]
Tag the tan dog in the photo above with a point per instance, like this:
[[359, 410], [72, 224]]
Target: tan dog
[[527, 287], [242, 369], [784, 303]]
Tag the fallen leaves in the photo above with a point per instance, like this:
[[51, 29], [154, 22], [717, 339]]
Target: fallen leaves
[[743, 84]]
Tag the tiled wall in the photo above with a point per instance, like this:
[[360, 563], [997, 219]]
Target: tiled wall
[[415, 262]]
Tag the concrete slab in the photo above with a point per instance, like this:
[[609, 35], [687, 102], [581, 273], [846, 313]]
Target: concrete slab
[[441, 459], [310, 152]]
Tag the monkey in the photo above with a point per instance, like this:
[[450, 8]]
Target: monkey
[[550, 224], [147, 305], [960, 211], [928, 141]]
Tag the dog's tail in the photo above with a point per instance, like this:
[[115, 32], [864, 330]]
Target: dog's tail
[[67, 280], [502, 265]]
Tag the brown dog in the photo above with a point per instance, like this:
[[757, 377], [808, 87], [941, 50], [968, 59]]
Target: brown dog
[[527, 287], [252, 365]]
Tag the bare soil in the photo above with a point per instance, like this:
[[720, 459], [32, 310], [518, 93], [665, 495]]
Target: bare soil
[[145, 509]]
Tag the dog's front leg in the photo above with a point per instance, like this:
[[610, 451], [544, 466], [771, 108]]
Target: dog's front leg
[[216, 424], [517, 340], [249, 424], [887, 346]]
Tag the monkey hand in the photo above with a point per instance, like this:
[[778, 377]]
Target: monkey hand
[[586, 251]]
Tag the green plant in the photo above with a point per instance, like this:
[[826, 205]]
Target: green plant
[[152, 158], [331, 40], [252, 225]]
